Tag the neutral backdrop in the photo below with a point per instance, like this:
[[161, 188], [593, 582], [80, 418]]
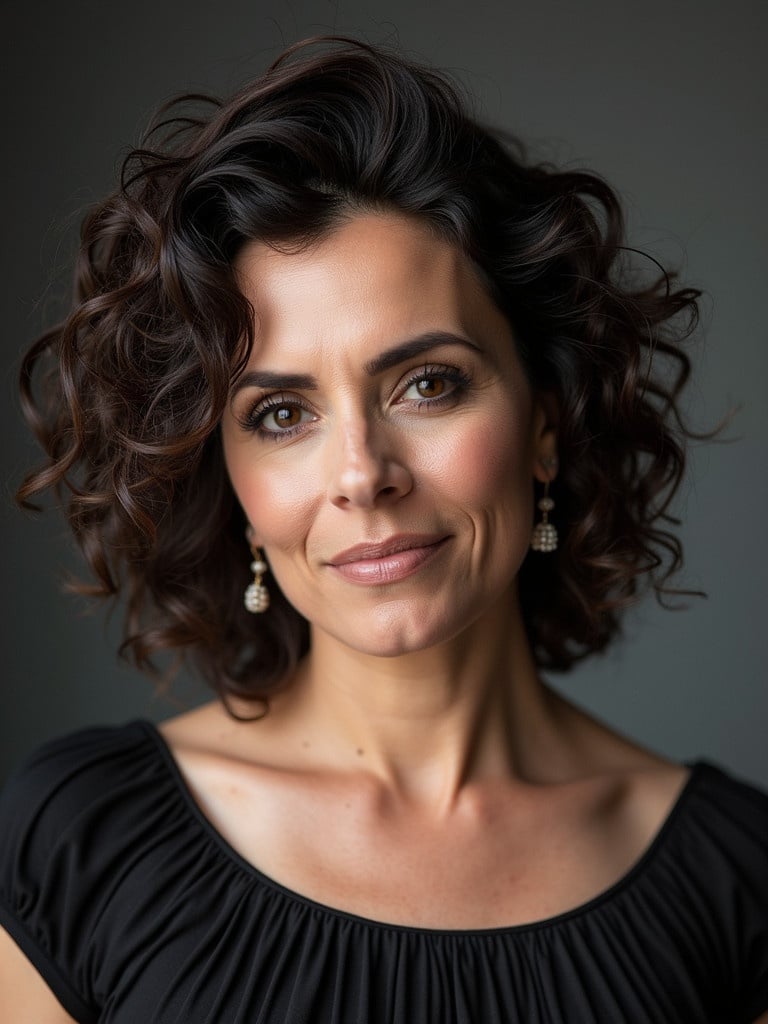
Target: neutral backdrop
[[665, 99]]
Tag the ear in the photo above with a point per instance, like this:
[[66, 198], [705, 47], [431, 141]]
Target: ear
[[546, 419]]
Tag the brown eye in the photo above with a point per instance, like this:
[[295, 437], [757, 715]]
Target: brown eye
[[287, 415], [435, 385], [430, 387], [279, 418]]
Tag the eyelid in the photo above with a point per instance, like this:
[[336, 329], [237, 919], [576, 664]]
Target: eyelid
[[429, 370], [252, 419], [255, 412]]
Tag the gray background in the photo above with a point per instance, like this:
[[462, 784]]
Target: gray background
[[667, 100]]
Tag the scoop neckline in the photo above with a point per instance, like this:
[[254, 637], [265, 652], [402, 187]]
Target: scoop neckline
[[182, 790]]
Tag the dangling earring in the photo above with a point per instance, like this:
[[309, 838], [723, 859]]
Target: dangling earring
[[544, 537], [256, 595]]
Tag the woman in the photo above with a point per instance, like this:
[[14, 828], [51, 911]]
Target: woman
[[337, 332]]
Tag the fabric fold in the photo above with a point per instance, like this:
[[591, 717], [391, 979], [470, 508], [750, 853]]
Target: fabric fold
[[134, 908]]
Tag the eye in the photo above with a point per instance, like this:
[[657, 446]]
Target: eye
[[433, 385], [283, 416], [277, 417], [429, 387]]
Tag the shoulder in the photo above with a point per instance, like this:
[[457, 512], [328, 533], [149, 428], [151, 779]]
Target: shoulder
[[715, 868], [699, 797], [711, 851], [64, 776], [71, 792], [76, 753], [721, 784], [727, 817], [64, 825]]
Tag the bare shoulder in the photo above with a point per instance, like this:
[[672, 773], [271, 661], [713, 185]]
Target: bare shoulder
[[210, 733], [640, 787], [599, 746], [24, 995], [199, 728], [227, 761], [208, 747]]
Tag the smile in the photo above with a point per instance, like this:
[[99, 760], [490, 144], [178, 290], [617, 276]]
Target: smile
[[387, 562]]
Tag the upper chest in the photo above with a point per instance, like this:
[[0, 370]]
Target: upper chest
[[505, 857]]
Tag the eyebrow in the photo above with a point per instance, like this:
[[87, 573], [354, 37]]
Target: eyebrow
[[268, 379], [414, 347]]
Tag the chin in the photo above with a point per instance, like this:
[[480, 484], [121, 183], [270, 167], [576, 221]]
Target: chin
[[397, 634]]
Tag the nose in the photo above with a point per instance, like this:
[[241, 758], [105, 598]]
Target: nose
[[366, 468]]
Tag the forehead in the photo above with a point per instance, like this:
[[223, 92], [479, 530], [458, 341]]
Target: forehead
[[375, 274]]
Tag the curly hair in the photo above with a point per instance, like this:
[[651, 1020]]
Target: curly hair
[[126, 395]]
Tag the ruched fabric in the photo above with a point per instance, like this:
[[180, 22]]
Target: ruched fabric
[[136, 911]]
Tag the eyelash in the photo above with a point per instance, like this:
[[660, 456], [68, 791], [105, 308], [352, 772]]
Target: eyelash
[[454, 376], [254, 419]]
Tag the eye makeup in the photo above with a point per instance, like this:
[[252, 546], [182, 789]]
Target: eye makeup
[[282, 416]]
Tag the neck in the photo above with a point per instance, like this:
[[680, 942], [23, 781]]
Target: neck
[[431, 723]]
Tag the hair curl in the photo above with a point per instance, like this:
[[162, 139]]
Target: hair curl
[[139, 373]]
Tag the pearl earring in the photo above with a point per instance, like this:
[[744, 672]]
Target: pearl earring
[[544, 537], [256, 597]]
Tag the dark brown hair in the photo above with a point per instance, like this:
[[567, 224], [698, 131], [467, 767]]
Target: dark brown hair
[[132, 385]]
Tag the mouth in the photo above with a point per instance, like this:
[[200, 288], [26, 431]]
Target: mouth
[[388, 561]]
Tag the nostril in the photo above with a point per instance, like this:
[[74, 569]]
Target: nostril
[[361, 475]]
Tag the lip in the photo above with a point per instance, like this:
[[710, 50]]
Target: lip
[[387, 561]]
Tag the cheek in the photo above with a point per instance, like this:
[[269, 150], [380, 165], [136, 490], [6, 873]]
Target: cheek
[[277, 503], [483, 464]]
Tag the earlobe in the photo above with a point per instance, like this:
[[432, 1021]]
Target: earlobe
[[252, 537], [545, 467], [546, 421]]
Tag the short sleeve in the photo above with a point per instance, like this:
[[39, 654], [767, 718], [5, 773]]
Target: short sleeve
[[732, 854], [756, 911], [755, 903], [52, 880]]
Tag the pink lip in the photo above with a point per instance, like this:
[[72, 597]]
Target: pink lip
[[388, 561]]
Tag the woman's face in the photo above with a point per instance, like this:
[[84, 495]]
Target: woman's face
[[383, 438]]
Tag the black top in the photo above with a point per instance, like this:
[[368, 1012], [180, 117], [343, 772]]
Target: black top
[[136, 911]]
